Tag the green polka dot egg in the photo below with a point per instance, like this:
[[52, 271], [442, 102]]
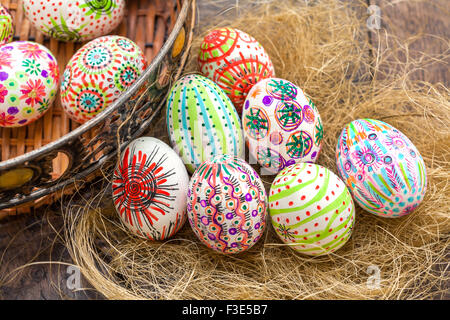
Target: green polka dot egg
[[202, 122], [98, 74], [74, 20], [6, 26], [311, 209], [29, 77]]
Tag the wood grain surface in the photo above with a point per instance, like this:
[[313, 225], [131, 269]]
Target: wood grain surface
[[33, 238]]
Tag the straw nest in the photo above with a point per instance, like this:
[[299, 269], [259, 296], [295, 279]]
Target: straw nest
[[323, 47]]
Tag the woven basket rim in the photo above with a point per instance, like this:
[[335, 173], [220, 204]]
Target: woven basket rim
[[102, 116]]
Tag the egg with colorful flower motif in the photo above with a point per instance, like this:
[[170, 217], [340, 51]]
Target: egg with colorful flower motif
[[6, 26], [74, 20], [149, 189], [235, 61], [281, 125], [227, 204], [29, 78], [381, 166], [97, 75], [311, 209]]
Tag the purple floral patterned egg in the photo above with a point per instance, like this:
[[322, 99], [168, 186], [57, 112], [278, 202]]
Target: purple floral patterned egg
[[281, 125], [383, 169], [29, 77], [98, 74], [227, 204]]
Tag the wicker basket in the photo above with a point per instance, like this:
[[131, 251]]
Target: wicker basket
[[47, 157]]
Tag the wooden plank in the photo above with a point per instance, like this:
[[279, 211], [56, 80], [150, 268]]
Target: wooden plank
[[423, 26]]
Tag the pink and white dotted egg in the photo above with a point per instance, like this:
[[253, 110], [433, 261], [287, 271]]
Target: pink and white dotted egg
[[75, 20]]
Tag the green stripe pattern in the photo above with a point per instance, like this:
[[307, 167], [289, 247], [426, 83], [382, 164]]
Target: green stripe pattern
[[202, 122], [311, 209]]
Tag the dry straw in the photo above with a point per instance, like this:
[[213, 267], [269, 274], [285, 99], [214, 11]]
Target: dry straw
[[322, 47]]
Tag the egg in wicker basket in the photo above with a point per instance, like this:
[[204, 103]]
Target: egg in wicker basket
[[46, 157]]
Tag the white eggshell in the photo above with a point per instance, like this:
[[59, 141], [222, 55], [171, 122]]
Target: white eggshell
[[97, 75], [74, 20], [311, 209], [281, 125], [29, 78], [149, 189]]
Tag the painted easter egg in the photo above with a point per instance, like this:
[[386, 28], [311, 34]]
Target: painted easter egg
[[202, 121], [97, 75], [29, 78], [6, 26], [281, 125], [227, 204], [383, 169], [149, 189], [311, 209], [235, 61], [74, 20]]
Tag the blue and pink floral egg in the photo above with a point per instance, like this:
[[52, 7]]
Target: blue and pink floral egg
[[281, 125], [74, 20], [97, 75], [29, 78], [227, 204], [381, 166]]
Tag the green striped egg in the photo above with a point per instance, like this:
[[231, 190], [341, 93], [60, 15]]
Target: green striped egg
[[311, 209], [202, 122]]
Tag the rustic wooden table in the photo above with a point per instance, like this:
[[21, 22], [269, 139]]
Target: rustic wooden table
[[32, 239]]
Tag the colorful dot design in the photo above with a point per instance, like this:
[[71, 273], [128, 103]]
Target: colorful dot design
[[381, 166], [202, 121], [227, 204], [149, 189], [75, 20], [281, 125], [98, 74], [235, 61], [311, 209], [29, 77], [6, 26]]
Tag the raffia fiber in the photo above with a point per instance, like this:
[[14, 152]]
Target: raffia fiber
[[323, 48]]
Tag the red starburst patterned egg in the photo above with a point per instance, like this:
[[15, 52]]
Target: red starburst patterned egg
[[29, 77], [149, 189], [75, 20], [98, 73], [235, 61]]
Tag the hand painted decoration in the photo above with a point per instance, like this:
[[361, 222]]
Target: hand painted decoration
[[281, 125], [383, 169], [311, 209], [227, 204], [74, 20], [235, 61], [6, 26], [150, 189], [29, 77], [202, 121], [98, 73]]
